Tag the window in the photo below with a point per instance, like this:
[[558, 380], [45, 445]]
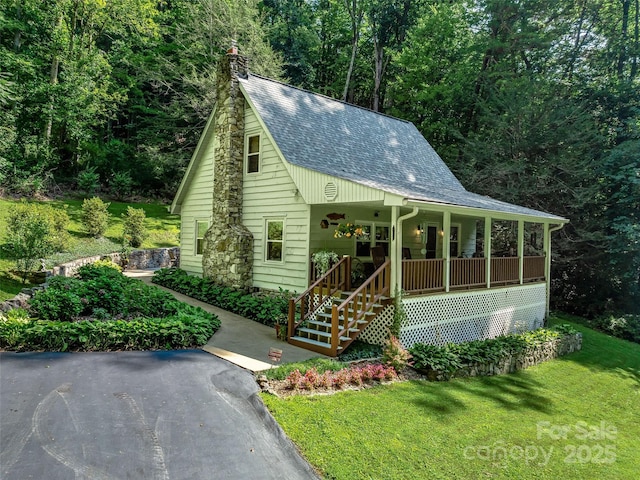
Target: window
[[253, 153], [454, 241], [376, 234], [274, 240], [201, 229]]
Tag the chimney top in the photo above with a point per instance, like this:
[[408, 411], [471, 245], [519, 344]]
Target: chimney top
[[233, 50]]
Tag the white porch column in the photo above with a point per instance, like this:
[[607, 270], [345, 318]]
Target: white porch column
[[547, 265], [487, 249], [395, 252], [521, 251], [446, 249]]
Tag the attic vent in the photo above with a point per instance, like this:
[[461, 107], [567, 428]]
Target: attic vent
[[330, 191]]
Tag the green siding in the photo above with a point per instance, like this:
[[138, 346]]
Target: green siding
[[271, 193], [197, 205]]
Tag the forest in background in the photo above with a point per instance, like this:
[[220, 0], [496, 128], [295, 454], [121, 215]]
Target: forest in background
[[534, 102]]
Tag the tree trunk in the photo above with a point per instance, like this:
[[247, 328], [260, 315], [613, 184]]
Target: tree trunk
[[356, 18], [53, 79], [623, 41], [636, 44]]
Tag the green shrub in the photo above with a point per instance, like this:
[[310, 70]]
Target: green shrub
[[88, 181], [56, 304], [95, 216], [34, 232], [134, 231], [626, 327], [266, 309], [453, 356], [127, 315], [121, 184], [359, 350], [191, 327]]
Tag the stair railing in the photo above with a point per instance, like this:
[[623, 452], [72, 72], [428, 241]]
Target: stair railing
[[337, 278], [362, 301]]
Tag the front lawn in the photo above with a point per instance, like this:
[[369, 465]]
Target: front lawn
[[577, 417]]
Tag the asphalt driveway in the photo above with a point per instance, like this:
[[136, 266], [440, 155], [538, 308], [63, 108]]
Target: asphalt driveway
[[137, 415]]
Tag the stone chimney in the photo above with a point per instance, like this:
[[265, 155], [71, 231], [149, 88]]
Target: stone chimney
[[228, 245]]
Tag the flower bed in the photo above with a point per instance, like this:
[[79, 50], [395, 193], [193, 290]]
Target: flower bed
[[495, 356]]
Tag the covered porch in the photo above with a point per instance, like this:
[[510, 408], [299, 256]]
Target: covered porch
[[434, 249]]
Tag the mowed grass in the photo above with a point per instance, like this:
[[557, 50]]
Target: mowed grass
[[163, 228], [577, 417]]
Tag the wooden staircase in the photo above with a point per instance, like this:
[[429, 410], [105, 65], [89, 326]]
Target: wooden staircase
[[327, 317]]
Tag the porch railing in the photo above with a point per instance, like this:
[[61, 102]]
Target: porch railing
[[468, 272], [423, 275], [427, 275], [533, 269], [337, 279], [346, 316], [505, 270]]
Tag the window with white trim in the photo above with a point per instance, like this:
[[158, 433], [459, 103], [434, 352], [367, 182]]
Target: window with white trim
[[454, 241], [377, 234], [201, 229], [274, 240], [253, 147]]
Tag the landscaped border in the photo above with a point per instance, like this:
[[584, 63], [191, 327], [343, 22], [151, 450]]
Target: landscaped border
[[496, 356]]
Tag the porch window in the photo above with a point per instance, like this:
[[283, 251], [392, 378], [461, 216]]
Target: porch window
[[252, 148], [377, 235], [454, 241], [201, 229], [274, 240]]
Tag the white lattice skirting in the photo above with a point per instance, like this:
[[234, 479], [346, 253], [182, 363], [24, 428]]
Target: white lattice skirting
[[464, 316]]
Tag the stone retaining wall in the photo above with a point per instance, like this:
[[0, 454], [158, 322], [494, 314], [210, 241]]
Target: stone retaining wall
[[138, 259], [547, 351]]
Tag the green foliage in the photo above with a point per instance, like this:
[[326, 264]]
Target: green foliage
[[121, 185], [95, 216], [126, 315], [359, 350], [323, 260], [59, 304], [134, 231], [453, 356], [266, 309], [88, 181], [33, 232], [626, 326]]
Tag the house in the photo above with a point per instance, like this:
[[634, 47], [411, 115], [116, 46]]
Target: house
[[279, 169]]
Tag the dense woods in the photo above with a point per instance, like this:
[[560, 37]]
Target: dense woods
[[535, 102]]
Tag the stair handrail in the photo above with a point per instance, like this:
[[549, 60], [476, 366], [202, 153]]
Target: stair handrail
[[343, 283], [371, 291]]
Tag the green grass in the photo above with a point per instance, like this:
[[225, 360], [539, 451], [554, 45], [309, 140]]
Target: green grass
[[446, 430], [163, 228]]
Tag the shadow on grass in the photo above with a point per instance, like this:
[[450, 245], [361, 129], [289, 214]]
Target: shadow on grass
[[517, 391], [10, 285], [603, 353]]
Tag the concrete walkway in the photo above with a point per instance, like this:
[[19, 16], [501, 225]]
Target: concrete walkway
[[239, 340]]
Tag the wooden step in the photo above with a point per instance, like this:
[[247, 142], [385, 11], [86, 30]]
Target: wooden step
[[313, 343]]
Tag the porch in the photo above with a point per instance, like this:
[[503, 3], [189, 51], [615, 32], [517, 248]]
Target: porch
[[464, 265]]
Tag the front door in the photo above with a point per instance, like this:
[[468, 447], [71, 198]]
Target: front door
[[431, 241]]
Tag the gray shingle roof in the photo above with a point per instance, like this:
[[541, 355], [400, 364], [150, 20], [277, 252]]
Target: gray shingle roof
[[356, 144]]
